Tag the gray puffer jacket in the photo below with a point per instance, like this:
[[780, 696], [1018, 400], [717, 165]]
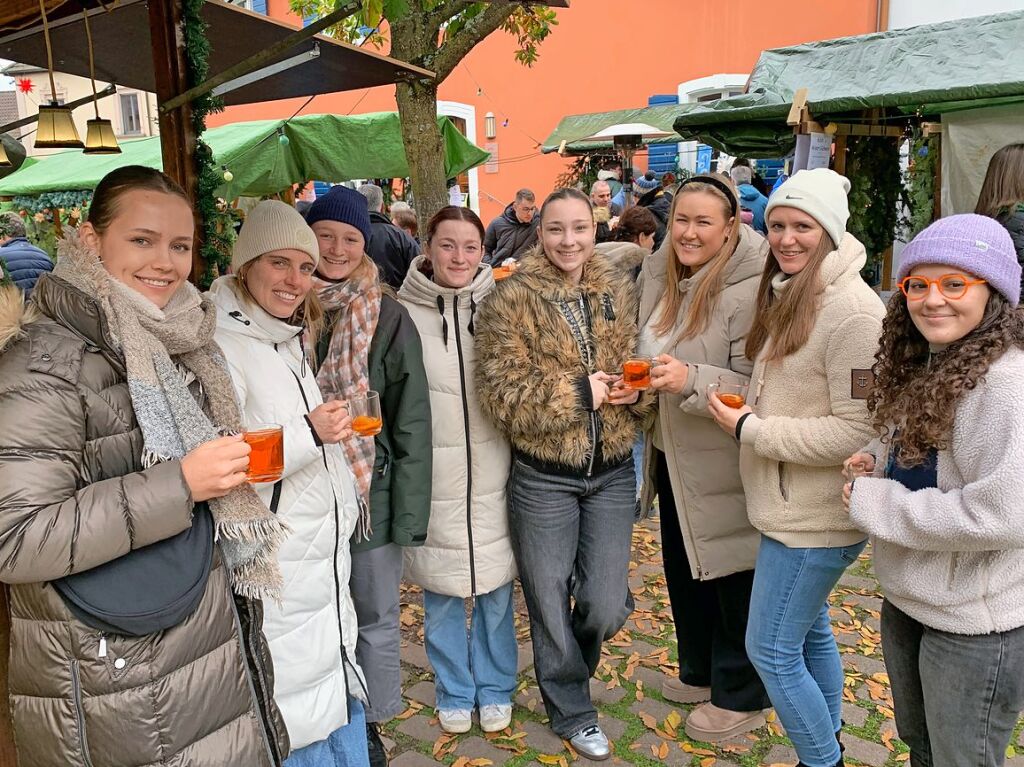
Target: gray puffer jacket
[[74, 495]]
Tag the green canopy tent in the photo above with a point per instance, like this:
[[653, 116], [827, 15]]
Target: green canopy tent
[[328, 147], [574, 129], [906, 74]]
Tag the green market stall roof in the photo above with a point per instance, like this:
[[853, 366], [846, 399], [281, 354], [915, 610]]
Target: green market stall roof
[[924, 70], [573, 129], [329, 147]]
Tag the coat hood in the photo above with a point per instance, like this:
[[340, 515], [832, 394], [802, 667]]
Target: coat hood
[[539, 275], [746, 262], [748, 193], [15, 314], [244, 318], [419, 288], [625, 255]]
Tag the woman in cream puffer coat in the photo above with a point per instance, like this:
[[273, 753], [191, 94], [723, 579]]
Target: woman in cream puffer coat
[[468, 552]]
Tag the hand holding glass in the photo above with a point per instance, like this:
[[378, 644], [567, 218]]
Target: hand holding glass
[[731, 391], [365, 412]]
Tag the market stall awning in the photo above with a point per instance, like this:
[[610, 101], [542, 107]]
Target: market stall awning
[[926, 70], [328, 147], [575, 129], [124, 56]]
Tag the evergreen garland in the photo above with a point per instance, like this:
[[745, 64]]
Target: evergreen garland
[[873, 167], [217, 226], [921, 184]]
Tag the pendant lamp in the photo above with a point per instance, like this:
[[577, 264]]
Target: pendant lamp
[[56, 125], [5, 161], [99, 133]]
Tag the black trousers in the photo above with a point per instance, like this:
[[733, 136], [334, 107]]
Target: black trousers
[[710, 617]]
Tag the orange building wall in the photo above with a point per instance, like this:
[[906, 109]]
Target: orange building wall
[[603, 55]]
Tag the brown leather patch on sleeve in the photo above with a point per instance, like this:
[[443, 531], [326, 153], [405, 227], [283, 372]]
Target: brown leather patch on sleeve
[[861, 383]]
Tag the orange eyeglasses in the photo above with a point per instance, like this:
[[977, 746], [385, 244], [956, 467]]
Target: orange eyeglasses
[[952, 286]]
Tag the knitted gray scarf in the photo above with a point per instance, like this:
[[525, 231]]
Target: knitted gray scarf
[[163, 350]]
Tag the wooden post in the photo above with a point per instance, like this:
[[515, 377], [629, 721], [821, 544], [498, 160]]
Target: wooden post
[[177, 139], [839, 166]]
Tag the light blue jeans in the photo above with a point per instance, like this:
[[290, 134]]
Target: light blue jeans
[[474, 667], [345, 747], [790, 643]]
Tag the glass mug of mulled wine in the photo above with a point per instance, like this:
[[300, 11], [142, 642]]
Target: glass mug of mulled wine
[[365, 412], [636, 372], [266, 461], [731, 391]]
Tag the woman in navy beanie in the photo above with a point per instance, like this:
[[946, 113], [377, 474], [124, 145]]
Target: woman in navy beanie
[[370, 343], [940, 493]]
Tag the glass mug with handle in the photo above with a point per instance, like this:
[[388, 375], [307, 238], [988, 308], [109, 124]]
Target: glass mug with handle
[[731, 391], [636, 372], [365, 412], [266, 461]]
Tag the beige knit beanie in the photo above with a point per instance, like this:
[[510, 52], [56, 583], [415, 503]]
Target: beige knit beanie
[[273, 225], [821, 194]]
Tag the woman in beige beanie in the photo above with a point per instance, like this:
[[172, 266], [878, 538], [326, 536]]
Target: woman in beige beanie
[[264, 309]]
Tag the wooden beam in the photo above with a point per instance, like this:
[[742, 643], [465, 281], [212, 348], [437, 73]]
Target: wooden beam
[[839, 165], [262, 58], [864, 129], [797, 109], [177, 138]]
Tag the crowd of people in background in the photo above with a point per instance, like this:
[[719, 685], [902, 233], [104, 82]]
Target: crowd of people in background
[[199, 617]]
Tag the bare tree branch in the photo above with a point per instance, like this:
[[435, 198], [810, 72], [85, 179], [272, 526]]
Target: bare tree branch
[[476, 29]]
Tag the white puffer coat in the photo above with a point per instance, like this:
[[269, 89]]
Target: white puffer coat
[[312, 632], [468, 549]]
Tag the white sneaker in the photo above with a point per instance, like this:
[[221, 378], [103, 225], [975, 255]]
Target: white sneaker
[[455, 721], [495, 717]]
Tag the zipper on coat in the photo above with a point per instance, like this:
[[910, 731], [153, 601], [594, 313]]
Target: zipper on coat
[[76, 691], [334, 558], [469, 447], [250, 649], [593, 443]]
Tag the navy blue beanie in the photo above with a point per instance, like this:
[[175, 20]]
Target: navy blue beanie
[[344, 205]]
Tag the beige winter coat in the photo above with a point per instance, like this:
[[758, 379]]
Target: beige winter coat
[[703, 461], [811, 413], [468, 549]]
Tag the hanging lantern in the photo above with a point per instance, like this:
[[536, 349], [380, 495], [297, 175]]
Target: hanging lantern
[[56, 125], [99, 133], [5, 161]]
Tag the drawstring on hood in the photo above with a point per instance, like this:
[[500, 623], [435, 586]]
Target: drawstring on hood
[[444, 320], [472, 311]]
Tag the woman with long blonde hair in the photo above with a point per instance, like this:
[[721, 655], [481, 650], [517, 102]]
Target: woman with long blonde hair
[[1002, 194], [814, 336], [696, 306]]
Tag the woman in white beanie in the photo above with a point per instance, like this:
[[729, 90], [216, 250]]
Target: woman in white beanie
[[813, 340], [942, 496], [263, 311]]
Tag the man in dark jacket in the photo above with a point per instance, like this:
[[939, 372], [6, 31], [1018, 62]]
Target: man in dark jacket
[[23, 260], [514, 232], [390, 247]]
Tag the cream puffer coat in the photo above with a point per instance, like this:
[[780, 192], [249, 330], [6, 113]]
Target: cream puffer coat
[[703, 461], [468, 549], [809, 416], [312, 632]]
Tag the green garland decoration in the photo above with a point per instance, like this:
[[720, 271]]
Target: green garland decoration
[[5, 276], [920, 199], [873, 167], [218, 229]]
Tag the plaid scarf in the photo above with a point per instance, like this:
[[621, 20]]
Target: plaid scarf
[[163, 350], [345, 371]]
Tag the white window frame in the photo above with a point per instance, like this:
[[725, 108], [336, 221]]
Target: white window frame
[[468, 113], [138, 110]]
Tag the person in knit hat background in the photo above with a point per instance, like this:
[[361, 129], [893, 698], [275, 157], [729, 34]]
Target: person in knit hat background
[[370, 343], [263, 309], [941, 495], [649, 193], [812, 342]]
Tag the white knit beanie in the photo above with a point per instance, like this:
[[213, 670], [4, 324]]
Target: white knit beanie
[[273, 225], [821, 194]]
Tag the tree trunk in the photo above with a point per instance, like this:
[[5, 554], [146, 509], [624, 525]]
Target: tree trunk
[[424, 147]]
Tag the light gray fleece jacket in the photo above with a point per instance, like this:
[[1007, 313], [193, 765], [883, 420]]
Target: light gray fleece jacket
[[952, 557]]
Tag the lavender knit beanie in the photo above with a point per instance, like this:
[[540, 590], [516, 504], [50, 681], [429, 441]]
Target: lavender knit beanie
[[974, 244]]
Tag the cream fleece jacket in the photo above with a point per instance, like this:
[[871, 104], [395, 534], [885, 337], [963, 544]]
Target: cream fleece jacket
[[807, 420], [952, 556]]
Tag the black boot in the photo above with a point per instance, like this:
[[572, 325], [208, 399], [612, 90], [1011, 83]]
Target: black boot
[[375, 746]]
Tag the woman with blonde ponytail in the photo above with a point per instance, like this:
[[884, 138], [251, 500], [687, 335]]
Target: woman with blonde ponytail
[[696, 306]]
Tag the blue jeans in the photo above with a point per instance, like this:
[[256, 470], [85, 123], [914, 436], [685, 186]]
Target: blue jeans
[[572, 538], [474, 668], [345, 747], [790, 643]]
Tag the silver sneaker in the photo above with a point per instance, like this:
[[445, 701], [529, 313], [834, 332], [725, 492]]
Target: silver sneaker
[[592, 743]]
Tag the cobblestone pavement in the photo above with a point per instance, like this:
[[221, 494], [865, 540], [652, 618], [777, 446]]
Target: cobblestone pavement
[[646, 729]]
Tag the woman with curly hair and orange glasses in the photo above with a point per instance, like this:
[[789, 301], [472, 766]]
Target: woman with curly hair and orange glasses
[[940, 493]]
